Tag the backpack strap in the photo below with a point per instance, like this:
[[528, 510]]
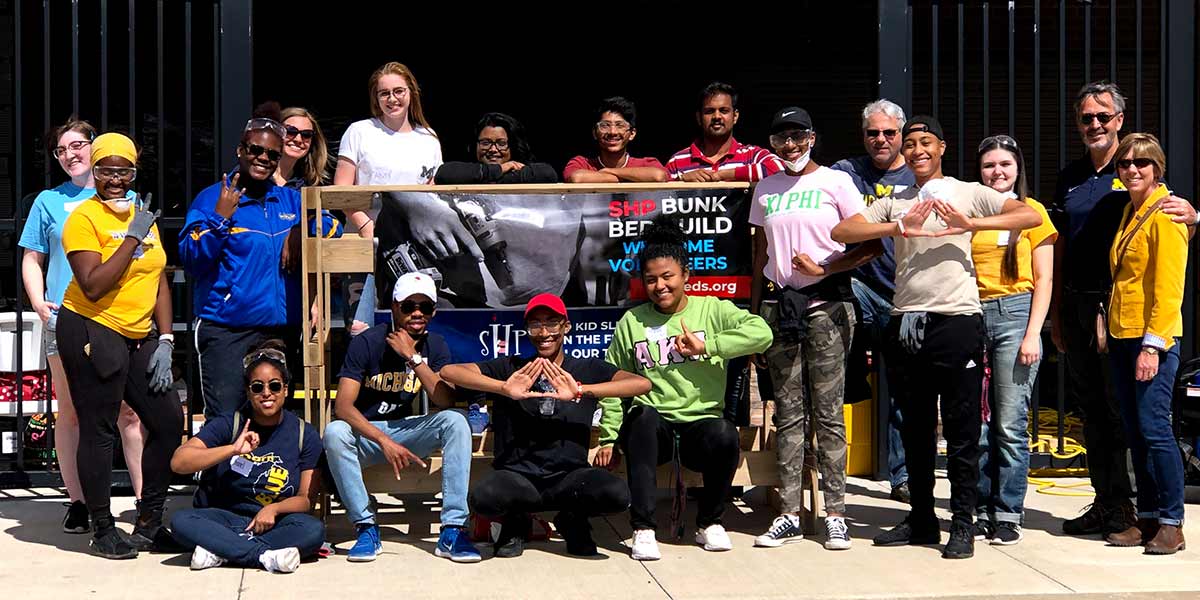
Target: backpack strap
[[237, 424], [1128, 239], [301, 433]]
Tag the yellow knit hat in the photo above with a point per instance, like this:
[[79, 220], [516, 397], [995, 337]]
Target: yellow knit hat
[[113, 144]]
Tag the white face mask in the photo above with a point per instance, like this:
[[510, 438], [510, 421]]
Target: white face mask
[[120, 206], [798, 165]]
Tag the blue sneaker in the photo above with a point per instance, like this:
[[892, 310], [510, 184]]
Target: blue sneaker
[[455, 543], [368, 546]]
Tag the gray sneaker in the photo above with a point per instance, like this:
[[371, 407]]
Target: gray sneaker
[[1007, 534]]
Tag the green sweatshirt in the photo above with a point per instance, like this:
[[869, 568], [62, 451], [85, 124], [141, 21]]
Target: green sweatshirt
[[684, 390]]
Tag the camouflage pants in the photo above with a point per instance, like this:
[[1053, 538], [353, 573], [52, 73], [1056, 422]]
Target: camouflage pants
[[809, 380]]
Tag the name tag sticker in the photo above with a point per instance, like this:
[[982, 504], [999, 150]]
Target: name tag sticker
[[656, 334], [1002, 239], [240, 465]]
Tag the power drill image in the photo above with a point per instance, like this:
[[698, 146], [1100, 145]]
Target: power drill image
[[405, 259], [476, 215]]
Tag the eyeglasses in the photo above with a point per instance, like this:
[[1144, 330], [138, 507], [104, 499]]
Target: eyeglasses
[[497, 144], [550, 326], [397, 92], [998, 140], [1140, 163], [410, 306], [257, 387], [256, 150], [265, 353], [1104, 118], [114, 173], [618, 126], [260, 124], [798, 136], [74, 146], [887, 133], [306, 134]]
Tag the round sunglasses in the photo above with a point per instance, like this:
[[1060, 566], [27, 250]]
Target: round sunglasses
[[275, 386]]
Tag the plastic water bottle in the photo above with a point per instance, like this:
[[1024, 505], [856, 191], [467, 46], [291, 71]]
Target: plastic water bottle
[[477, 418]]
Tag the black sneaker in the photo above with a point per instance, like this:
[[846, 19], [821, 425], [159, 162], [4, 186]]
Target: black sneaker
[[906, 534], [511, 548], [77, 519], [1090, 522], [111, 543], [961, 544], [157, 539], [900, 493], [983, 529], [1007, 534], [576, 532]]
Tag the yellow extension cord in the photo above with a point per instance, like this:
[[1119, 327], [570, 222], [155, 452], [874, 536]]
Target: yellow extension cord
[[1046, 441]]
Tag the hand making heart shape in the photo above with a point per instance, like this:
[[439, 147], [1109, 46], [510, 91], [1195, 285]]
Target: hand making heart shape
[[519, 385]]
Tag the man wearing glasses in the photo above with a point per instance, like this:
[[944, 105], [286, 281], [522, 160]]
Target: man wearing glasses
[[717, 156], [1087, 208], [542, 411], [386, 370], [879, 173], [615, 129]]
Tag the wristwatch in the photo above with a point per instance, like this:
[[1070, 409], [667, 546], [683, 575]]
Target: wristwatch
[[1151, 350], [415, 361]]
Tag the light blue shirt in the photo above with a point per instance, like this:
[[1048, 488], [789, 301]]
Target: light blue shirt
[[43, 233]]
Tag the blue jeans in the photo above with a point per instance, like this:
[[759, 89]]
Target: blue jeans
[[348, 452], [1146, 412], [876, 314], [224, 533], [1004, 441], [367, 302]]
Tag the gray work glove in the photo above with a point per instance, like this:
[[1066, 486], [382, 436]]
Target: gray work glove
[[143, 220], [159, 368], [912, 330]]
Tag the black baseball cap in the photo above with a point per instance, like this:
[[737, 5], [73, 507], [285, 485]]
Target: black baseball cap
[[792, 117], [923, 124]]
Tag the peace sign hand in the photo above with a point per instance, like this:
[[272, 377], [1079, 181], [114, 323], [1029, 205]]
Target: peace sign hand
[[230, 196], [688, 343]]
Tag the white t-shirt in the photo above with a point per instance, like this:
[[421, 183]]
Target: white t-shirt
[[386, 157], [797, 215]]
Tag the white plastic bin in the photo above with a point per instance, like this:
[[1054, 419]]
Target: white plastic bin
[[32, 358]]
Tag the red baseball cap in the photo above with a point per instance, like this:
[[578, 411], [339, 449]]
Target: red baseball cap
[[550, 301]]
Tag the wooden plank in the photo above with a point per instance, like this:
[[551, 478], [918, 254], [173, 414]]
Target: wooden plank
[[349, 254]]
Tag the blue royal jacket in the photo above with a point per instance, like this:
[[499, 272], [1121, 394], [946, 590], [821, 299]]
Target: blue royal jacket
[[235, 262]]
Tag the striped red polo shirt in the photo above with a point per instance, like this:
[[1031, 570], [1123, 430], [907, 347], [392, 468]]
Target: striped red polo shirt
[[749, 163]]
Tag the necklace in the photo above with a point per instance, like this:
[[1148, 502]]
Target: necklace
[[621, 166]]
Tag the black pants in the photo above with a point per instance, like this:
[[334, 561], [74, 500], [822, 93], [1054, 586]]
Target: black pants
[[949, 365], [104, 367], [1089, 386], [221, 350], [585, 492], [708, 446]]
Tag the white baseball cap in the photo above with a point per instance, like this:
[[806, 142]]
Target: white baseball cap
[[410, 284]]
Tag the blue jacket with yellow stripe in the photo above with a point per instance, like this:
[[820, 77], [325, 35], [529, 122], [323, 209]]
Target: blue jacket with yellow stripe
[[235, 262]]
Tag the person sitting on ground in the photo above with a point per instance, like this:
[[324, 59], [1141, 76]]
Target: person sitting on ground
[[387, 368], [542, 409], [615, 129], [502, 155], [252, 502]]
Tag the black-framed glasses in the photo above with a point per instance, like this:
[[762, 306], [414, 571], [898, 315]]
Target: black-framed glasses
[[267, 353], [1140, 162], [257, 386], [260, 123], [1003, 141], [74, 146], [887, 133], [305, 134], [114, 173], [617, 126], [256, 151], [497, 144], [551, 326], [1104, 118], [410, 306], [798, 136]]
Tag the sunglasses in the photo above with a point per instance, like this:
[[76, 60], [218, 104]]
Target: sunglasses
[[887, 133], [260, 124], [1140, 163], [999, 140], [265, 353], [1104, 118], [305, 134], [256, 151], [410, 306], [275, 386], [796, 136]]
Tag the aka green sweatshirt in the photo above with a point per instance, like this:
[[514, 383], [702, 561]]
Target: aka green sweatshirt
[[684, 389]]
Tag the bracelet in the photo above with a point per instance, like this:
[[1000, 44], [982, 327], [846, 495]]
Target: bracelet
[[167, 337], [578, 391]]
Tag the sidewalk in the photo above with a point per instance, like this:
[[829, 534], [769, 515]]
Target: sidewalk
[[41, 562]]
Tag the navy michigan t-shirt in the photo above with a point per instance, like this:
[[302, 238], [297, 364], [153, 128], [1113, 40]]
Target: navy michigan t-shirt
[[389, 386], [274, 467]]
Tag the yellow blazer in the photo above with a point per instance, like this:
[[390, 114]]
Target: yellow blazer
[[1147, 292]]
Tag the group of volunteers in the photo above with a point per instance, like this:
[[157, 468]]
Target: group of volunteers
[[951, 283]]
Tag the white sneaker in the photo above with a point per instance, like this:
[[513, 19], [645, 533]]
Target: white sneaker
[[645, 547], [203, 559], [785, 529], [837, 537], [714, 538], [285, 560]]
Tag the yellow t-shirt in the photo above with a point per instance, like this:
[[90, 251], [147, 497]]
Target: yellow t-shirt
[[988, 247], [128, 307]]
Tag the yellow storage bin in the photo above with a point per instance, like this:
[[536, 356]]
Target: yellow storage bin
[[860, 456]]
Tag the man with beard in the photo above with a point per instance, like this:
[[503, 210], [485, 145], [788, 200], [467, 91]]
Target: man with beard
[[717, 156]]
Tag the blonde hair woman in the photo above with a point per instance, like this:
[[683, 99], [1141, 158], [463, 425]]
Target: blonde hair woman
[[305, 159]]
